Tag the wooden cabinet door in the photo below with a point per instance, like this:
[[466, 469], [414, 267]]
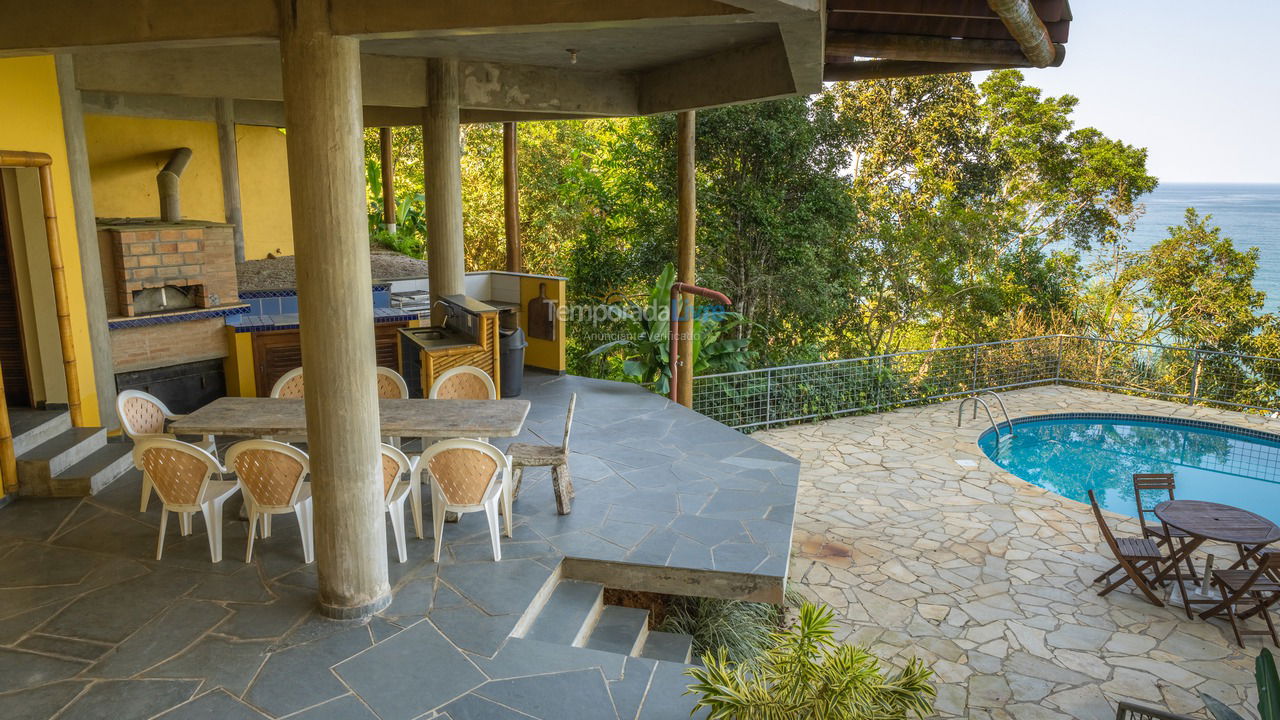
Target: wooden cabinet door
[[276, 352]]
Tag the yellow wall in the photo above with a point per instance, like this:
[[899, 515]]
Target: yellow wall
[[264, 191], [125, 153], [31, 120], [546, 354]]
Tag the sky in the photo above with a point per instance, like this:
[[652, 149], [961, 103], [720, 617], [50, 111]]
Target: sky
[[1196, 83]]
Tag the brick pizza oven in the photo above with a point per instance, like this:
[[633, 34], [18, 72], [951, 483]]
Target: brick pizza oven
[[169, 287]]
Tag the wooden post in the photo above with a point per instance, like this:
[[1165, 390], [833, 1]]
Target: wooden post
[[8, 461], [229, 161], [511, 197], [323, 116], [686, 227], [388, 180], [446, 261], [87, 241]]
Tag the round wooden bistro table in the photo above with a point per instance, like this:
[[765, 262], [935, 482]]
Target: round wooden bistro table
[[1204, 521]]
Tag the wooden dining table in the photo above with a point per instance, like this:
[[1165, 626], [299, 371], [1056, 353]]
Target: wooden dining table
[[1203, 521], [287, 417]]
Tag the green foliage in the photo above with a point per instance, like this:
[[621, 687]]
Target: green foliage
[[807, 675], [1268, 692], [742, 630], [646, 349]]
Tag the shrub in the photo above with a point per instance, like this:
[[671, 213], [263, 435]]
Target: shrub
[[805, 674]]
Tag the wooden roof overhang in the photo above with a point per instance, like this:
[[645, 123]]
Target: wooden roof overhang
[[630, 57], [869, 39]]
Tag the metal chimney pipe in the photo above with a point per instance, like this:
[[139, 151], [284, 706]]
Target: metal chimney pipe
[[167, 183]]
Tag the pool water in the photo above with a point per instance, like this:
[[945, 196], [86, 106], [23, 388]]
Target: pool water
[[1072, 455]]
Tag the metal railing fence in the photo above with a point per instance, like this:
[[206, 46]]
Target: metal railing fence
[[794, 393]]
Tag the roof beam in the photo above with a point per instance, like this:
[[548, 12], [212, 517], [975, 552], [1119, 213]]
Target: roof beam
[[253, 73], [931, 49], [750, 72], [1025, 26], [882, 69]]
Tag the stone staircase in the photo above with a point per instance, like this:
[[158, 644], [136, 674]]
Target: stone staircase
[[57, 460], [574, 614]]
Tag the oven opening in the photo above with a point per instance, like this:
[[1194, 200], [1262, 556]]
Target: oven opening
[[164, 299]]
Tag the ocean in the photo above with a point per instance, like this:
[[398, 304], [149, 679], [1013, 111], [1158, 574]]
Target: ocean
[[1248, 214]]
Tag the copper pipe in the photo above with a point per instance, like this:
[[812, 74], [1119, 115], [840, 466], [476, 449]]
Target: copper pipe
[[388, 179], [673, 346]]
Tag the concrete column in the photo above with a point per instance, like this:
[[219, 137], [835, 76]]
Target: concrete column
[[229, 161], [686, 233], [326, 177], [87, 240], [511, 197], [446, 259]]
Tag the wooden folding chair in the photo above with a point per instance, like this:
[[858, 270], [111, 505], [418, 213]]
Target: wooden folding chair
[[1130, 711], [1134, 556], [1246, 593], [1164, 535]]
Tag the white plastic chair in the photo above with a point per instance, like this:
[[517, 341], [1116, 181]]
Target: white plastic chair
[[143, 416], [289, 385], [465, 476], [463, 383], [271, 478], [181, 474], [391, 385], [396, 465]]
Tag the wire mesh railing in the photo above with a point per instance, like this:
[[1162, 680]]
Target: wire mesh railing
[[794, 393]]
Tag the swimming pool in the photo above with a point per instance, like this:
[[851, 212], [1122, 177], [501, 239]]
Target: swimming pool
[[1073, 453]]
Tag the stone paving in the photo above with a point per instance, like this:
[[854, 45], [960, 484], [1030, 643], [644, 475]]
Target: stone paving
[[988, 577], [91, 625]]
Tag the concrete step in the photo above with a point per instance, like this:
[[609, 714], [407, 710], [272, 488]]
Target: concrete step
[[31, 428], [620, 630], [569, 614], [65, 449], [673, 647], [95, 472]]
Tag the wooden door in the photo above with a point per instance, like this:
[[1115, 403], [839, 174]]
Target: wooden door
[[13, 361], [276, 352]]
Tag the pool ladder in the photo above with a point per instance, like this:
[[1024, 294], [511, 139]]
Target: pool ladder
[[977, 400]]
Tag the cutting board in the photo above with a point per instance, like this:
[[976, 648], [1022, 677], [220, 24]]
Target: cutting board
[[542, 315]]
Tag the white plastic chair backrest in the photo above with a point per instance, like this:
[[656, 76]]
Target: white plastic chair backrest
[[394, 464], [179, 471], [463, 383], [289, 385], [141, 413], [568, 421], [391, 385], [270, 472], [465, 469]]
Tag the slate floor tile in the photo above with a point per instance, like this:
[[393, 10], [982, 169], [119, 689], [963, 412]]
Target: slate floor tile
[[20, 669], [474, 707], [242, 586], [272, 620], [574, 695], [129, 699], [628, 691], [65, 647], [501, 588], [215, 705], [519, 655], [413, 672], [473, 630], [300, 676], [665, 698], [113, 613], [220, 662], [347, 707], [36, 518], [177, 627], [39, 703], [34, 564]]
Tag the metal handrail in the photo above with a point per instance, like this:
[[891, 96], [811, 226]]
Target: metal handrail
[[1003, 409], [977, 401]]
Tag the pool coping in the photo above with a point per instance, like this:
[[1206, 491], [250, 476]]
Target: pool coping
[[1170, 420]]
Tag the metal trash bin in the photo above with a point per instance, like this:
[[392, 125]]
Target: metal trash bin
[[511, 345]]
